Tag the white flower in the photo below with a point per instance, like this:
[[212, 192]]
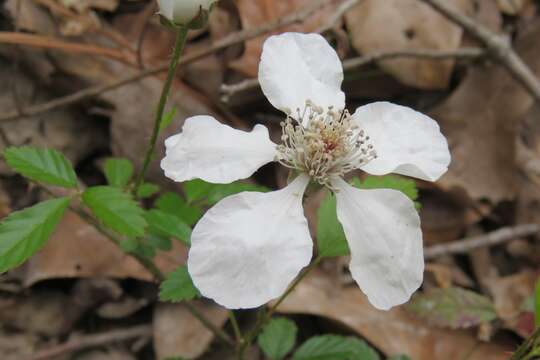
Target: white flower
[[182, 12], [249, 247]]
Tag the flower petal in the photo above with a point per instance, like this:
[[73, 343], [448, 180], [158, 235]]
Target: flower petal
[[383, 231], [214, 152], [407, 142], [166, 8], [296, 67], [248, 248]]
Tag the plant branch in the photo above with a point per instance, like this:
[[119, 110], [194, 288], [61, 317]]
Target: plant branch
[[181, 37], [357, 62], [93, 340], [498, 46], [265, 317], [497, 237], [230, 40]]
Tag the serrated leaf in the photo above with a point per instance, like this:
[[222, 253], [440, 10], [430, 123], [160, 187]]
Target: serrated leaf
[[334, 347], [277, 338], [118, 171], [24, 232], [116, 209], [196, 189], [178, 286], [47, 166], [406, 186], [452, 307], [173, 204], [167, 119], [331, 239], [146, 190], [168, 225]]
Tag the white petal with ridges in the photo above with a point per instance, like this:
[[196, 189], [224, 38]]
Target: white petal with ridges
[[296, 67], [407, 142], [383, 231], [248, 248], [215, 152]]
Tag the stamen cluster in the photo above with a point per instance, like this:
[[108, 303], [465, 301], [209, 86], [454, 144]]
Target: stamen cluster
[[323, 143]]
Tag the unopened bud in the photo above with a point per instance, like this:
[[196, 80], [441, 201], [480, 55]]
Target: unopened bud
[[190, 13]]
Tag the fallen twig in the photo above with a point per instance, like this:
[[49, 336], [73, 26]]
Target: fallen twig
[[490, 239], [498, 46], [94, 340], [354, 63], [232, 39]]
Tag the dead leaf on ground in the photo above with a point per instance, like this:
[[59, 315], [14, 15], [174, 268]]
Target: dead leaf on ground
[[178, 333], [510, 294], [17, 346], [408, 25], [392, 332], [253, 13], [487, 106], [512, 7], [79, 250]]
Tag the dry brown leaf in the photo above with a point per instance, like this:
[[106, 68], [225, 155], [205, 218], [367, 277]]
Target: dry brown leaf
[[480, 121], [392, 332], [390, 25], [178, 333], [510, 294], [512, 7], [79, 250], [253, 13]]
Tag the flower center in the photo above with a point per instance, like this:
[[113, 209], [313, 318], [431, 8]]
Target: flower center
[[323, 143]]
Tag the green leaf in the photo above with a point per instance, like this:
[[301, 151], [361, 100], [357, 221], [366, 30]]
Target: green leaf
[[146, 190], [399, 357], [334, 347], [159, 242], [129, 244], [47, 166], [173, 204], [116, 209], [24, 232], [199, 190], [178, 286], [406, 186], [277, 338], [452, 307], [331, 239], [168, 225], [537, 304], [118, 171], [167, 119]]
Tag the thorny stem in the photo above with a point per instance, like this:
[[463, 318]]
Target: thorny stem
[[265, 317], [178, 47]]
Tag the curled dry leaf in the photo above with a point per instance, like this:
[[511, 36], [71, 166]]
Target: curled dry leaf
[[510, 293], [178, 333], [392, 332], [487, 105]]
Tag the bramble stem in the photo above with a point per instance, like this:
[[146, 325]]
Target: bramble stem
[[178, 47], [265, 317]]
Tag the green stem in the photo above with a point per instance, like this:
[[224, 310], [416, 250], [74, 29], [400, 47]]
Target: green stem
[[265, 317], [178, 47]]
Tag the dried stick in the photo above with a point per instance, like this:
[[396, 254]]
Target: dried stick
[[354, 63], [498, 46], [490, 239], [232, 39], [94, 340]]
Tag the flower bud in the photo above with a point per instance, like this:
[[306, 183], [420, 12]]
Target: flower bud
[[191, 13]]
